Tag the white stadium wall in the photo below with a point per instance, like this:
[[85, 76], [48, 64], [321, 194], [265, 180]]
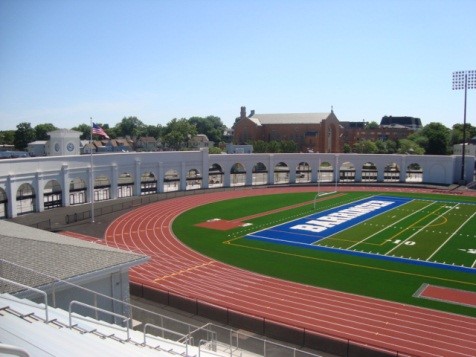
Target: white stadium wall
[[35, 184]]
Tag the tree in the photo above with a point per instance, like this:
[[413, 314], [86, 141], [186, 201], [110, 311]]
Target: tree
[[391, 146], [211, 126], [153, 131], [457, 133], [130, 126], [23, 135], [260, 146], [214, 150], [7, 137], [85, 130], [365, 147], [437, 136], [372, 125], [347, 148], [177, 133], [288, 146], [407, 146], [42, 130], [273, 147]]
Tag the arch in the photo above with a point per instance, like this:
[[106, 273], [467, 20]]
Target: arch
[[369, 172], [260, 174], [102, 188], [52, 195], [215, 175], [347, 172], [125, 185], [414, 173], [171, 180], [238, 175], [326, 172], [77, 191], [194, 179], [281, 173], [303, 172], [391, 173], [148, 183], [3, 203], [25, 199]]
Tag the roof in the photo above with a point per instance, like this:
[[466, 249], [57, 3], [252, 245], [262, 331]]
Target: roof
[[292, 118], [56, 255]]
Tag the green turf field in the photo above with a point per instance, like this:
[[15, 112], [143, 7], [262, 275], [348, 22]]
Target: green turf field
[[425, 230], [429, 228]]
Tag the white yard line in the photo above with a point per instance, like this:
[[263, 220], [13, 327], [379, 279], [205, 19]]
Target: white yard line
[[383, 229], [418, 231], [451, 236]]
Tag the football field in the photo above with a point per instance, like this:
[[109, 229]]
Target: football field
[[385, 245], [409, 229]]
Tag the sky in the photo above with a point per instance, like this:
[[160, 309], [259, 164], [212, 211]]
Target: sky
[[65, 62]]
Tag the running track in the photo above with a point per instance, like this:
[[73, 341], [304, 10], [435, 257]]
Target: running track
[[175, 268]]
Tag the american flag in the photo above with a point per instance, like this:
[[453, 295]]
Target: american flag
[[99, 131]]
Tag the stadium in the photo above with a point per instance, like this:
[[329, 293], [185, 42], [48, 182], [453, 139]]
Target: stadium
[[358, 265]]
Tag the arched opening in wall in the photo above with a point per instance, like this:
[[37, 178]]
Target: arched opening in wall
[[391, 173], [281, 173], [194, 180], [52, 195], [171, 180], [260, 174], [102, 188], [369, 172], [303, 172], [347, 172], [3, 203], [215, 176], [325, 172], [125, 185], [238, 175], [414, 173], [148, 183], [77, 191], [25, 199]]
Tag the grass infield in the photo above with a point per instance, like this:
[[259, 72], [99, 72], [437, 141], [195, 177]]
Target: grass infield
[[427, 228]]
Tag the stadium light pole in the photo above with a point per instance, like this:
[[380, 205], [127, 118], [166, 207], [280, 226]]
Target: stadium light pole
[[464, 80]]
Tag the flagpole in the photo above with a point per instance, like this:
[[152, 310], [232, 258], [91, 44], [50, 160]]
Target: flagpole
[[91, 178]]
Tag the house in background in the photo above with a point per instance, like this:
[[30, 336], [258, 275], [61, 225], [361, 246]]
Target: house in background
[[200, 141], [146, 143]]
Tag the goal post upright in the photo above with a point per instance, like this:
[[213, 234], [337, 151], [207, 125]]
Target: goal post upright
[[318, 182]]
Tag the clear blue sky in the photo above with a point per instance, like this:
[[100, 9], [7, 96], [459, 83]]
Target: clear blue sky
[[63, 61]]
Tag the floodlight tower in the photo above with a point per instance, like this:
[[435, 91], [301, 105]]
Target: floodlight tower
[[464, 80]]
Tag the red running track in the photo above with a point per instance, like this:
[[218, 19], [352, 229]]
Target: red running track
[[176, 268]]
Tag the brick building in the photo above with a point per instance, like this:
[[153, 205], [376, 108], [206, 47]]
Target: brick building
[[312, 132], [353, 132]]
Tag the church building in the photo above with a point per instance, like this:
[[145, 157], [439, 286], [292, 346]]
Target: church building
[[312, 132]]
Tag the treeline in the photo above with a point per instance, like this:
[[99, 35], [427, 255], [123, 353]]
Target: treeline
[[432, 139], [174, 135]]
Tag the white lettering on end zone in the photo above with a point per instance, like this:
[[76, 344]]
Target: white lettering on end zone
[[320, 224]]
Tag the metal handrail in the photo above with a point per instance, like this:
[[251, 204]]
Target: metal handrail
[[45, 296], [97, 309], [186, 337], [200, 344]]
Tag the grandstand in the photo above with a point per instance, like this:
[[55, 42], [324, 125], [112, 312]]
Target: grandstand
[[54, 302]]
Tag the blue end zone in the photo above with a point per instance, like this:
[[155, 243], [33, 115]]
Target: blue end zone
[[285, 234], [313, 228]]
